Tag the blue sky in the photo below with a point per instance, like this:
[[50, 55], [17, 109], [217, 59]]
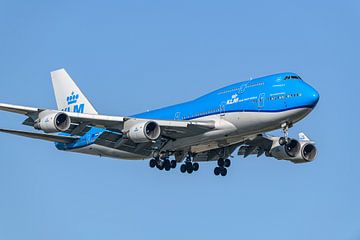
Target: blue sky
[[131, 56]]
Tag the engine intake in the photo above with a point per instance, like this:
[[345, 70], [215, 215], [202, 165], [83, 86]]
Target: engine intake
[[53, 122], [292, 148], [144, 132], [308, 152]]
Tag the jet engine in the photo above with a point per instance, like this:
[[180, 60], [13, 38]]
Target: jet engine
[[308, 151], [52, 122], [294, 151], [144, 132]]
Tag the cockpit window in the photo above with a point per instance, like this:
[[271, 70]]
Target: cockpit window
[[292, 77]]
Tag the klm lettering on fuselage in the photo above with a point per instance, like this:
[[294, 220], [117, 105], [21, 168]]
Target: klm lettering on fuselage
[[234, 99], [72, 100]]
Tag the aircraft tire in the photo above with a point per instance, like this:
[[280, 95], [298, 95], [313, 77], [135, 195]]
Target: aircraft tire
[[160, 165], [152, 163], [183, 168], [173, 163], [189, 168], [227, 163], [217, 171], [223, 172], [221, 162], [196, 166], [282, 141], [188, 165]]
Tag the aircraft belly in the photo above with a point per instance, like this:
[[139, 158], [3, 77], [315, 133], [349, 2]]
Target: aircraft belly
[[259, 122], [234, 127]]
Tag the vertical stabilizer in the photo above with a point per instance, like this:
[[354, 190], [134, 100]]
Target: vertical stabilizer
[[69, 97]]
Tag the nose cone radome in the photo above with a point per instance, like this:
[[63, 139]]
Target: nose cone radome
[[312, 96]]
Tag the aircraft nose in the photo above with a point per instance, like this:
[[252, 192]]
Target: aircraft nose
[[313, 96]]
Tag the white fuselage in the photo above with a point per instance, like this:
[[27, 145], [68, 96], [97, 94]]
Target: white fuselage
[[230, 128]]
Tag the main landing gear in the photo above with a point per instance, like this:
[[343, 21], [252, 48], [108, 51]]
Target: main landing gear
[[222, 167], [189, 166], [164, 164]]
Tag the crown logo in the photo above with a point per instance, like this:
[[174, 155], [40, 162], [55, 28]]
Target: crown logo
[[72, 99]]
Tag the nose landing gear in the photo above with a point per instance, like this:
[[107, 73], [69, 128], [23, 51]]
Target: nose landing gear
[[285, 140]]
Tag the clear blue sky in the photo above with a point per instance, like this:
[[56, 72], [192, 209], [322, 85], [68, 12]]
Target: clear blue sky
[[130, 56]]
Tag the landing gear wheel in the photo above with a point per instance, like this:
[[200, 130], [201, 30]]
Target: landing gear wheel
[[282, 141], [173, 163], [183, 168], [189, 170], [188, 165], [227, 163], [223, 172], [221, 162], [160, 166], [195, 166], [167, 165], [152, 163], [217, 171]]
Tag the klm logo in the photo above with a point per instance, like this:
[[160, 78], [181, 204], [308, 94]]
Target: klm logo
[[73, 106], [234, 99]]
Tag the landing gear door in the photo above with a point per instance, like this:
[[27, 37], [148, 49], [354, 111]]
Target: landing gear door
[[261, 100]]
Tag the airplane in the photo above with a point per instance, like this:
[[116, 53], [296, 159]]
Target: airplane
[[208, 128]]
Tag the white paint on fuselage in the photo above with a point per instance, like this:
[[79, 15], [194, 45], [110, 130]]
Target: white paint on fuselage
[[230, 128], [237, 126]]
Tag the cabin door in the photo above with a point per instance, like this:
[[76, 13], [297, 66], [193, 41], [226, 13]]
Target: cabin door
[[261, 100], [222, 109]]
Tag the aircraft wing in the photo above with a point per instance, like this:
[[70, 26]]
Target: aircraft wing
[[42, 136], [81, 122], [19, 109]]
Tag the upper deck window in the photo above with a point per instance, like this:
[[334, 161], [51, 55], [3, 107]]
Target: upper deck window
[[292, 77]]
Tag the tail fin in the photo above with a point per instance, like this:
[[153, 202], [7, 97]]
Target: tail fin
[[68, 96]]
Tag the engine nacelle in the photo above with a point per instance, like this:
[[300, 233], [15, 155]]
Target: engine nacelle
[[308, 151], [144, 132], [294, 151], [52, 122]]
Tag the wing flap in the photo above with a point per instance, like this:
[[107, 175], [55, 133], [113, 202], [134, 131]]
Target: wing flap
[[256, 145]]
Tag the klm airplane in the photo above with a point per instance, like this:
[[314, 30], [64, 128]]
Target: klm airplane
[[208, 128]]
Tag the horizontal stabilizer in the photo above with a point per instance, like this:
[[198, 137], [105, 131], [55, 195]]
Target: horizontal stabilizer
[[41, 136]]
